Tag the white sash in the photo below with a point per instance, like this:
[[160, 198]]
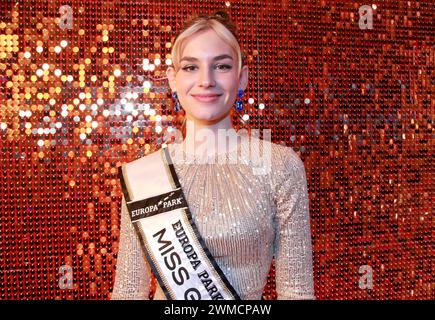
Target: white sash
[[173, 246]]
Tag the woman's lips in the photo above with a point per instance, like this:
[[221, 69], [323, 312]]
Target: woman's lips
[[206, 97]]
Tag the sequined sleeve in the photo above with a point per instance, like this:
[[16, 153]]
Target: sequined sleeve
[[292, 248], [132, 279]]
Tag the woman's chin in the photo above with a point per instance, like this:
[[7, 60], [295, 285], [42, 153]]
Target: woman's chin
[[207, 117]]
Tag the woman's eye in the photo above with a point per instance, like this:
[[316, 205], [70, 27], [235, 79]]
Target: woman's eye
[[189, 68], [223, 67]]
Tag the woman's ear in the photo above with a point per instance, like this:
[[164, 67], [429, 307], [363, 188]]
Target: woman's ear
[[243, 77], [170, 74]]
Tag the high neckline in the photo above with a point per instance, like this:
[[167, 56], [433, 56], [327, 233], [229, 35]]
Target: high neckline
[[231, 152]]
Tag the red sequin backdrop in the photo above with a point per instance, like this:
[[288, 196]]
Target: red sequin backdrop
[[81, 92]]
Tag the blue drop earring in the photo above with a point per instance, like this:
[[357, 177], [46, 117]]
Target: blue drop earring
[[239, 102], [177, 106]]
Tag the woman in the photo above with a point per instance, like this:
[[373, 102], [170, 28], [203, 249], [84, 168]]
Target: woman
[[244, 218]]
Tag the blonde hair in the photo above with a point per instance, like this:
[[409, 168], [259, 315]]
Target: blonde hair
[[220, 23]]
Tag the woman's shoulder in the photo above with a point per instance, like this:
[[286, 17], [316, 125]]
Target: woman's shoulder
[[144, 174], [288, 165], [282, 163], [285, 156], [282, 157], [142, 169], [139, 164]]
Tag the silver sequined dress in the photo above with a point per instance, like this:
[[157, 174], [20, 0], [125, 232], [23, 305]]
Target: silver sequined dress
[[245, 218]]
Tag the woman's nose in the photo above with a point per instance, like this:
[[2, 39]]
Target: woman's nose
[[206, 78]]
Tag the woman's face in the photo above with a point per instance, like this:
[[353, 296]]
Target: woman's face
[[207, 79]]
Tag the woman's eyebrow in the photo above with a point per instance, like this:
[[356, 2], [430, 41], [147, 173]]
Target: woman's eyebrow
[[219, 57]]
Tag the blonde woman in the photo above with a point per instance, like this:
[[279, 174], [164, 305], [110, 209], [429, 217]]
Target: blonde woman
[[218, 238]]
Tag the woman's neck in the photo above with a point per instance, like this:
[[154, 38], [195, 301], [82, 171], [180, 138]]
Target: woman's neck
[[210, 138]]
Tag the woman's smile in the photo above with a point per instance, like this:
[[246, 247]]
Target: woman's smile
[[206, 97]]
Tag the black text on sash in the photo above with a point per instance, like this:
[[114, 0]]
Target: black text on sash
[[155, 205]]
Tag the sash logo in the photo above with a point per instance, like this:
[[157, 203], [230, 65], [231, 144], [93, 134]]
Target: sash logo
[[141, 211], [171, 203], [155, 205]]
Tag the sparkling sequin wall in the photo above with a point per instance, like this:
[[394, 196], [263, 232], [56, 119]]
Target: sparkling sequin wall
[[82, 90]]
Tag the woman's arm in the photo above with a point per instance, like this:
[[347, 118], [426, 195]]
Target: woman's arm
[[133, 274], [293, 249]]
